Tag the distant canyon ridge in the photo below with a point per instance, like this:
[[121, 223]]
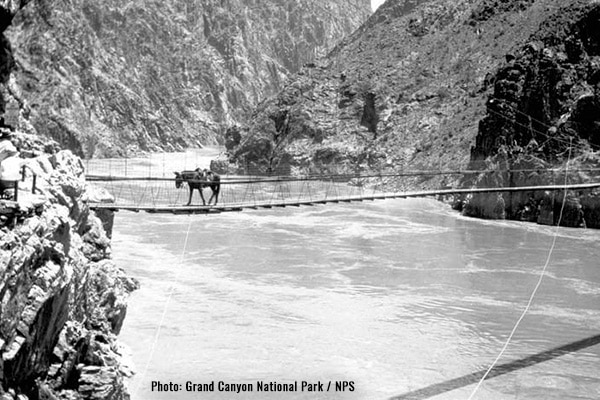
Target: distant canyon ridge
[[116, 78]]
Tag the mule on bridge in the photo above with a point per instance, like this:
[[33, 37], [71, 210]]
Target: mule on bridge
[[200, 179]]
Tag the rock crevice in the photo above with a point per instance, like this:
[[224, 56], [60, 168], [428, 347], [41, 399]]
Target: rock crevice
[[62, 298]]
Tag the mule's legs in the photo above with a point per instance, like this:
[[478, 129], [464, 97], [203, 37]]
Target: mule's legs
[[215, 194], [190, 198], [202, 196]]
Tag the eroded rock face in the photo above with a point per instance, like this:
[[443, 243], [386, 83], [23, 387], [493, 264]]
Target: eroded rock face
[[62, 297], [446, 85], [581, 208], [545, 107], [113, 78], [405, 91], [547, 93], [8, 8], [428, 85]]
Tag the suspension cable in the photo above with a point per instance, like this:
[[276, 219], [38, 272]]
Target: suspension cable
[[164, 312], [537, 286], [530, 127]]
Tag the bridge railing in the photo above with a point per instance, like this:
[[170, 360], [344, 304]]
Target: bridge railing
[[246, 191], [251, 191]]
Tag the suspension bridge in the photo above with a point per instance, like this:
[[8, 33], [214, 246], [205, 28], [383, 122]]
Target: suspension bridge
[[158, 194]]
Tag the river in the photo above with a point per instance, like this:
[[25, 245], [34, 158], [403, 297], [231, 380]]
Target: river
[[393, 296]]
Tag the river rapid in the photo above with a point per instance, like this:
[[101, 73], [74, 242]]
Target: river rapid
[[393, 296]]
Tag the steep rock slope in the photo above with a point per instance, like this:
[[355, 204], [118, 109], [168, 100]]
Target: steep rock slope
[[441, 84], [545, 112], [117, 77], [406, 90], [63, 299], [548, 90]]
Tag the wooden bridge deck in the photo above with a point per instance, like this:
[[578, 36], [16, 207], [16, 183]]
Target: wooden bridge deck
[[230, 207]]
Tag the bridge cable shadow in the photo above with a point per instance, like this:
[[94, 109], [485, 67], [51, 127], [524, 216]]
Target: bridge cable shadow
[[466, 380]]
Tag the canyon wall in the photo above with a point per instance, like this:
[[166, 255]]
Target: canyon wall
[[117, 78], [444, 85], [543, 113], [63, 300], [406, 90]]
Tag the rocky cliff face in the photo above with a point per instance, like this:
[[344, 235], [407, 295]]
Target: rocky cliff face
[[544, 110], [409, 88], [62, 298], [547, 91], [406, 90], [118, 77]]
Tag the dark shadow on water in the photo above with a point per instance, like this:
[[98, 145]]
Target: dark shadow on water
[[465, 380]]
